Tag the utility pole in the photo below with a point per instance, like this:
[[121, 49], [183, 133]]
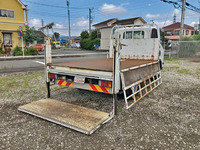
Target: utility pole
[[90, 20], [174, 20], [198, 25], [69, 23], [42, 25], [182, 18]]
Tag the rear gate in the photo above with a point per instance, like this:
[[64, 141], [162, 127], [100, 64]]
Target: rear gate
[[76, 117]]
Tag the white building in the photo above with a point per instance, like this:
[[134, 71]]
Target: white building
[[104, 29]]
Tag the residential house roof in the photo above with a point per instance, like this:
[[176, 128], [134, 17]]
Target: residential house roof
[[177, 25], [23, 6], [115, 21], [129, 21], [40, 33], [105, 22]]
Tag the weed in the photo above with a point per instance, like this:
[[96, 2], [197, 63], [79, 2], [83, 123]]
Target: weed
[[34, 98], [173, 68], [5, 67], [45, 135], [184, 71], [119, 109], [166, 88], [56, 87], [171, 59]]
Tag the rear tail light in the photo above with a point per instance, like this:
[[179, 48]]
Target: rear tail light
[[51, 76], [106, 84]]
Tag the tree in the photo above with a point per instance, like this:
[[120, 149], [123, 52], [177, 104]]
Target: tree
[[87, 42], [84, 34], [56, 35], [93, 34], [30, 35]]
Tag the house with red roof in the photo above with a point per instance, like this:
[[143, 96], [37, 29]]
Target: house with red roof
[[172, 31], [104, 29]]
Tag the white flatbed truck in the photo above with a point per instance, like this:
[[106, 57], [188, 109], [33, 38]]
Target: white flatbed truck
[[133, 68]]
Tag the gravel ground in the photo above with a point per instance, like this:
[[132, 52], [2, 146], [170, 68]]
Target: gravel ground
[[167, 118]]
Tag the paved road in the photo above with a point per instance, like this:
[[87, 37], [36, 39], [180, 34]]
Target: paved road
[[36, 64], [70, 51]]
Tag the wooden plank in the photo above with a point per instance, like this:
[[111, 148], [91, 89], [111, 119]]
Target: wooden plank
[[76, 117]]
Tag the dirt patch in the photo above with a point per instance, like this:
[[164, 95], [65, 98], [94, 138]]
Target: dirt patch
[[167, 118]]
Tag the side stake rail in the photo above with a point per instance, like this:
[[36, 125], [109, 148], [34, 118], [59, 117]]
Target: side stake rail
[[136, 91]]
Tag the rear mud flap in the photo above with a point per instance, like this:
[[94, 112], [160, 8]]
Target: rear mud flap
[[75, 117]]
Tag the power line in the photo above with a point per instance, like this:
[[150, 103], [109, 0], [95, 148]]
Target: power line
[[187, 5], [36, 3]]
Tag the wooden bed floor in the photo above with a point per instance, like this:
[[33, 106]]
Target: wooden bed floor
[[103, 64]]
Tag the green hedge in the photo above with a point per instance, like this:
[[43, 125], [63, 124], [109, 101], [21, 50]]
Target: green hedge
[[1, 51], [30, 51], [86, 44], [17, 51]]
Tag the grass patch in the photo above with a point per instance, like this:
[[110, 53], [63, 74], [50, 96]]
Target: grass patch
[[173, 68], [198, 72], [58, 57], [34, 98], [56, 87], [197, 85], [171, 59], [184, 71], [178, 70], [11, 85]]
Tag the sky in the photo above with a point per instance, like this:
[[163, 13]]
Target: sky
[[56, 11]]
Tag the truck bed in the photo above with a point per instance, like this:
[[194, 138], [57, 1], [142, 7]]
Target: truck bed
[[103, 64]]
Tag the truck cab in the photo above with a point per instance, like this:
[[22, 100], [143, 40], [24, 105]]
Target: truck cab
[[138, 42]]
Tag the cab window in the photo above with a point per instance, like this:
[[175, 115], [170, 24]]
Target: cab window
[[154, 33], [138, 34], [124, 35], [129, 35]]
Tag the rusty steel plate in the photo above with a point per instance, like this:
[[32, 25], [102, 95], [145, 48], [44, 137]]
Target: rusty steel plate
[[76, 117], [103, 64]]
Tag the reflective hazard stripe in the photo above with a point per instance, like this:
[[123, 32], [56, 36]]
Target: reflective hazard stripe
[[64, 83], [98, 88]]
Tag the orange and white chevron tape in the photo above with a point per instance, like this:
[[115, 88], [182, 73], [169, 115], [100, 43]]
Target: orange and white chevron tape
[[97, 88], [64, 83]]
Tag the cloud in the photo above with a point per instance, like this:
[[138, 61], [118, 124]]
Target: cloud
[[37, 23], [150, 16], [193, 23], [81, 22], [191, 14], [149, 5], [60, 26], [163, 23], [176, 12], [124, 4], [110, 9]]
